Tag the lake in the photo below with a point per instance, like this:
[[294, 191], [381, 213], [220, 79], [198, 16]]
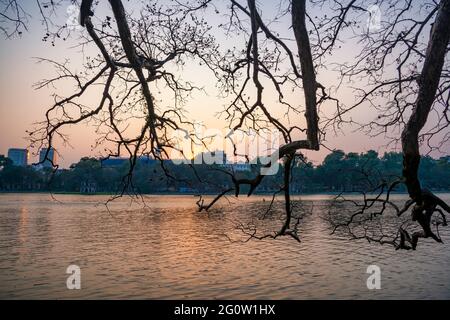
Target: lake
[[167, 250]]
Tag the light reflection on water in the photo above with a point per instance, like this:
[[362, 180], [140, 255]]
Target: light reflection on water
[[171, 251]]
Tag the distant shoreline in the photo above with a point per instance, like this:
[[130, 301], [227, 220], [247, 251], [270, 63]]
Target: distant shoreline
[[198, 194]]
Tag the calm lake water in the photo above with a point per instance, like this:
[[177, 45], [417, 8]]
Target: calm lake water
[[169, 250]]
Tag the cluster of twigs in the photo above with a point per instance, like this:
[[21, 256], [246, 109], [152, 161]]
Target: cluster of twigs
[[401, 72]]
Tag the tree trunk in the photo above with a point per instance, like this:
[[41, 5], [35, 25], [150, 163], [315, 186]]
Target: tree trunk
[[428, 84], [308, 73]]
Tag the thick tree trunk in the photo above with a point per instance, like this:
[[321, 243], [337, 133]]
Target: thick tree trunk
[[308, 73], [426, 202], [428, 84]]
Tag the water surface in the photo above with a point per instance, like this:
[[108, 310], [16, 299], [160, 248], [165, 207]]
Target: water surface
[[170, 251]]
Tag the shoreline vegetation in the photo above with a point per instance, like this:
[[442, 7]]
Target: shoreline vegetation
[[339, 172], [205, 194]]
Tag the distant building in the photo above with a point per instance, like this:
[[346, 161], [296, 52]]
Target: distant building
[[19, 157], [239, 167], [243, 167], [2, 161], [88, 187], [214, 157], [445, 159], [51, 158], [113, 162], [146, 160], [118, 162]]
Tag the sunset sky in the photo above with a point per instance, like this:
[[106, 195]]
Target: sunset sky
[[21, 105]]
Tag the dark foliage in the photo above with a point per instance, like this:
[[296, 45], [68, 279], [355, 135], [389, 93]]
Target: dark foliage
[[339, 172]]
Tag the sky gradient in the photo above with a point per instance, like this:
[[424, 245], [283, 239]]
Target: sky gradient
[[21, 105]]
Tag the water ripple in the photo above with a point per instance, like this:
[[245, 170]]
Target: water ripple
[[172, 251]]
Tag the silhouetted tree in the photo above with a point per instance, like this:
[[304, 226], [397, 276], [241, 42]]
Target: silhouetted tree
[[137, 51]]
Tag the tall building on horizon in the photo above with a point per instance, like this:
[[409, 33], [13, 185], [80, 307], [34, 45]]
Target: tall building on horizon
[[19, 157], [51, 157]]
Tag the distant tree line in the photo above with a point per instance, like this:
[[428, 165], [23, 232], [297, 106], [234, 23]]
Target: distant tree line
[[340, 171]]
